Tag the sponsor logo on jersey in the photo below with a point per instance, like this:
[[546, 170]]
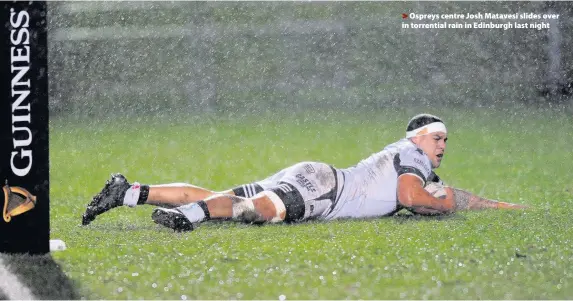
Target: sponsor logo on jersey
[[304, 182], [309, 168], [422, 164]]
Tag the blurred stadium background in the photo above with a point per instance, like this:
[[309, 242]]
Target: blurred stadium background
[[250, 56]]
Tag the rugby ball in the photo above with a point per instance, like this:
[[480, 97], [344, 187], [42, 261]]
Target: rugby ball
[[437, 190]]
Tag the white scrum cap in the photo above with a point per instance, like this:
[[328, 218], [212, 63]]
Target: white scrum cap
[[424, 124]]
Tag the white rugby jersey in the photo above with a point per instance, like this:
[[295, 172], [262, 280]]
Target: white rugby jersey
[[369, 188]]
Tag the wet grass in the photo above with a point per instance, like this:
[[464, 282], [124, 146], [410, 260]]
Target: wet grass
[[523, 157]]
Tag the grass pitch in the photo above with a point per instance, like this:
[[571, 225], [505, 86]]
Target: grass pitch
[[517, 157]]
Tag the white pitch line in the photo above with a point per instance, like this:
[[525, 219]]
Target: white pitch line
[[11, 286]]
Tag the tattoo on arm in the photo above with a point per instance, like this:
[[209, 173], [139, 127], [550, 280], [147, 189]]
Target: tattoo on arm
[[465, 200]]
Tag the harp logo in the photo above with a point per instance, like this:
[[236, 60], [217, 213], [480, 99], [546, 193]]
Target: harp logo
[[17, 200]]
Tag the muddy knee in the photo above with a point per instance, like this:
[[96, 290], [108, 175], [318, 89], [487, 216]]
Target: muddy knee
[[270, 206], [265, 206]]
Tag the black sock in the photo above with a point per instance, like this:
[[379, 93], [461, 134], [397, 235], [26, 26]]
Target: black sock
[[143, 194], [203, 206]]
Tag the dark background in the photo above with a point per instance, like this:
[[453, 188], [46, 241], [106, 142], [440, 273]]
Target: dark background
[[28, 232]]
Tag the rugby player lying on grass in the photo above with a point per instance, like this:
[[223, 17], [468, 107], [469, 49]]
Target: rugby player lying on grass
[[380, 185]]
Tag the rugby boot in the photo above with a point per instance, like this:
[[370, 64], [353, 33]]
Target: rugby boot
[[111, 196], [172, 218]]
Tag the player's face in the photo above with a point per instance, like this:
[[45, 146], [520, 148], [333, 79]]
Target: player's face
[[434, 145]]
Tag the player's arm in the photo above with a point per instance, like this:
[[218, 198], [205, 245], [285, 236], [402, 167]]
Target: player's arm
[[467, 201], [411, 194]]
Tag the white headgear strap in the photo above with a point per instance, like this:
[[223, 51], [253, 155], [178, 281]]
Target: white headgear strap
[[427, 129]]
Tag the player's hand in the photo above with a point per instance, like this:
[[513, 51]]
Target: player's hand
[[449, 201], [504, 205]]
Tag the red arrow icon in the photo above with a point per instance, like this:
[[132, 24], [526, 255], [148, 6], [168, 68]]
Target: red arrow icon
[[404, 16]]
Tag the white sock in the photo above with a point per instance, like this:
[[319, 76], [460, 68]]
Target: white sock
[[193, 212], [132, 195]]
